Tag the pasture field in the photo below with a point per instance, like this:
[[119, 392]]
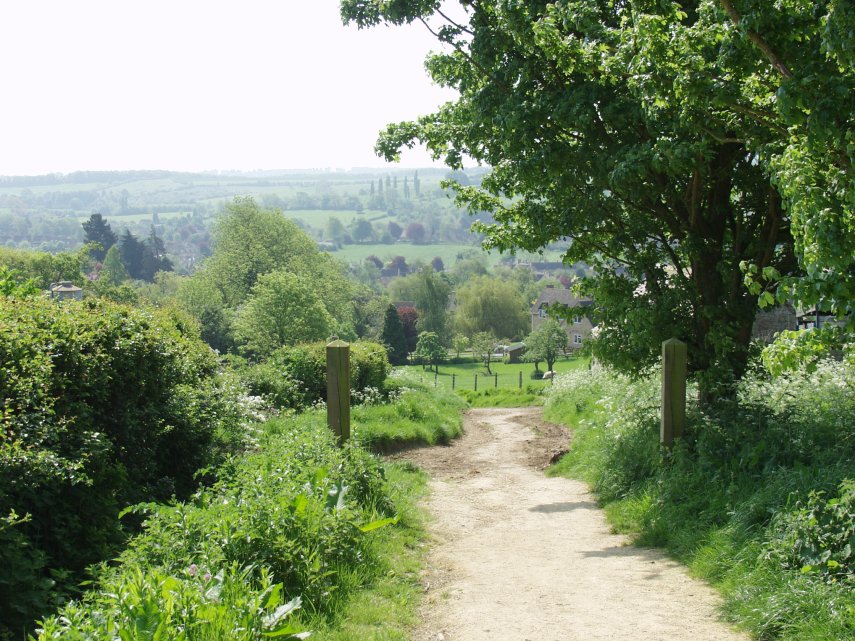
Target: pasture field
[[463, 376]]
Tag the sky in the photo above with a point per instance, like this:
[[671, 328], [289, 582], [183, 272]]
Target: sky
[[196, 85]]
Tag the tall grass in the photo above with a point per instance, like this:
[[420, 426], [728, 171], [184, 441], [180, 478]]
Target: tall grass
[[755, 498]]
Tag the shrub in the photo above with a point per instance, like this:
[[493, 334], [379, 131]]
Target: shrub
[[284, 523], [104, 406], [296, 377]]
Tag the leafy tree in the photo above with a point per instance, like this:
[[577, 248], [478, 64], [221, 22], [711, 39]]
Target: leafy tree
[[431, 293], [282, 309], [483, 344], [487, 304], [113, 271], [97, 230], [362, 231], [334, 230], [399, 263], [395, 230], [459, 343], [437, 264], [393, 337], [409, 319], [132, 252], [250, 242], [429, 350], [648, 135], [374, 261], [546, 343], [416, 233], [13, 284]]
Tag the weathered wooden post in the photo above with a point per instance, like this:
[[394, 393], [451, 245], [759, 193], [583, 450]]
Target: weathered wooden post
[[673, 391], [338, 390], [476, 382], [496, 385], [520, 379], [435, 378], [453, 380]]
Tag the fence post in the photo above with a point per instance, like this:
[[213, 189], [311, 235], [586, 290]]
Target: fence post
[[338, 390], [673, 391], [496, 385], [476, 382], [520, 379], [453, 381], [435, 377]]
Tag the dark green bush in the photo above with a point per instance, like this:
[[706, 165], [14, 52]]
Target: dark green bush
[[104, 406]]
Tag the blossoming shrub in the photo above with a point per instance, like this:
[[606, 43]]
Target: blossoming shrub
[[103, 406]]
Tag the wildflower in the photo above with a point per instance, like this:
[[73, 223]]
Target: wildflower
[[193, 570]]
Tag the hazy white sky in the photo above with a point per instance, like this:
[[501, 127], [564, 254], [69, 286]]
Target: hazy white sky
[[202, 84]]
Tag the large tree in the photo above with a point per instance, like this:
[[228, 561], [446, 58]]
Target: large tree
[[430, 292], [486, 304], [282, 309], [644, 133], [393, 337], [97, 230]]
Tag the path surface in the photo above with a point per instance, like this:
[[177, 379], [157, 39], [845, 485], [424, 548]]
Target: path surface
[[518, 556]]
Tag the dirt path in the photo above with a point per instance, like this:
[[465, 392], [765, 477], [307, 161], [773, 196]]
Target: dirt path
[[522, 557]]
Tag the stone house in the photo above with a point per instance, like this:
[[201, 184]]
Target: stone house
[[577, 324]]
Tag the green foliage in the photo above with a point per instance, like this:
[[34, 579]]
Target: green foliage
[[657, 137], [297, 519], [296, 377], [546, 343], [251, 243], [43, 268], [757, 497], [282, 309], [817, 535], [796, 350], [430, 350], [103, 406], [12, 284], [486, 304], [430, 292], [393, 337]]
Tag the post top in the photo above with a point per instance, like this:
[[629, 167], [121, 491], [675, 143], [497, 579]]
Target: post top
[[672, 341], [338, 343]]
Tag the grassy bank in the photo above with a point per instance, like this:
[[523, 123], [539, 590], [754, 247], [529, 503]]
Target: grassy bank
[[298, 521], [755, 499]]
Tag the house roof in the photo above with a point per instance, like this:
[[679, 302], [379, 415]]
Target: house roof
[[552, 295]]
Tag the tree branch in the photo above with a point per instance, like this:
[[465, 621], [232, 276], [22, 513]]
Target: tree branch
[[758, 41]]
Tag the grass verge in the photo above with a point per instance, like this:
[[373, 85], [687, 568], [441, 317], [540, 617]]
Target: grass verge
[[757, 499]]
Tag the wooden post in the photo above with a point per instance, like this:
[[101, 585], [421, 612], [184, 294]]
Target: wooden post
[[476, 382], [673, 391], [435, 377], [520, 379], [338, 390], [453, 381], [497, 381]]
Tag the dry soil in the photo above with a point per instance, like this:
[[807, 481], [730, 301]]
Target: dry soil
[[518, 556]]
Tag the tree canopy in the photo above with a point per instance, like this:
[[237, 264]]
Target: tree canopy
[[674, 144], [486, 304]]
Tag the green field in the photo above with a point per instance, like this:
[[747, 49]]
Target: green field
[[463, 376]]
